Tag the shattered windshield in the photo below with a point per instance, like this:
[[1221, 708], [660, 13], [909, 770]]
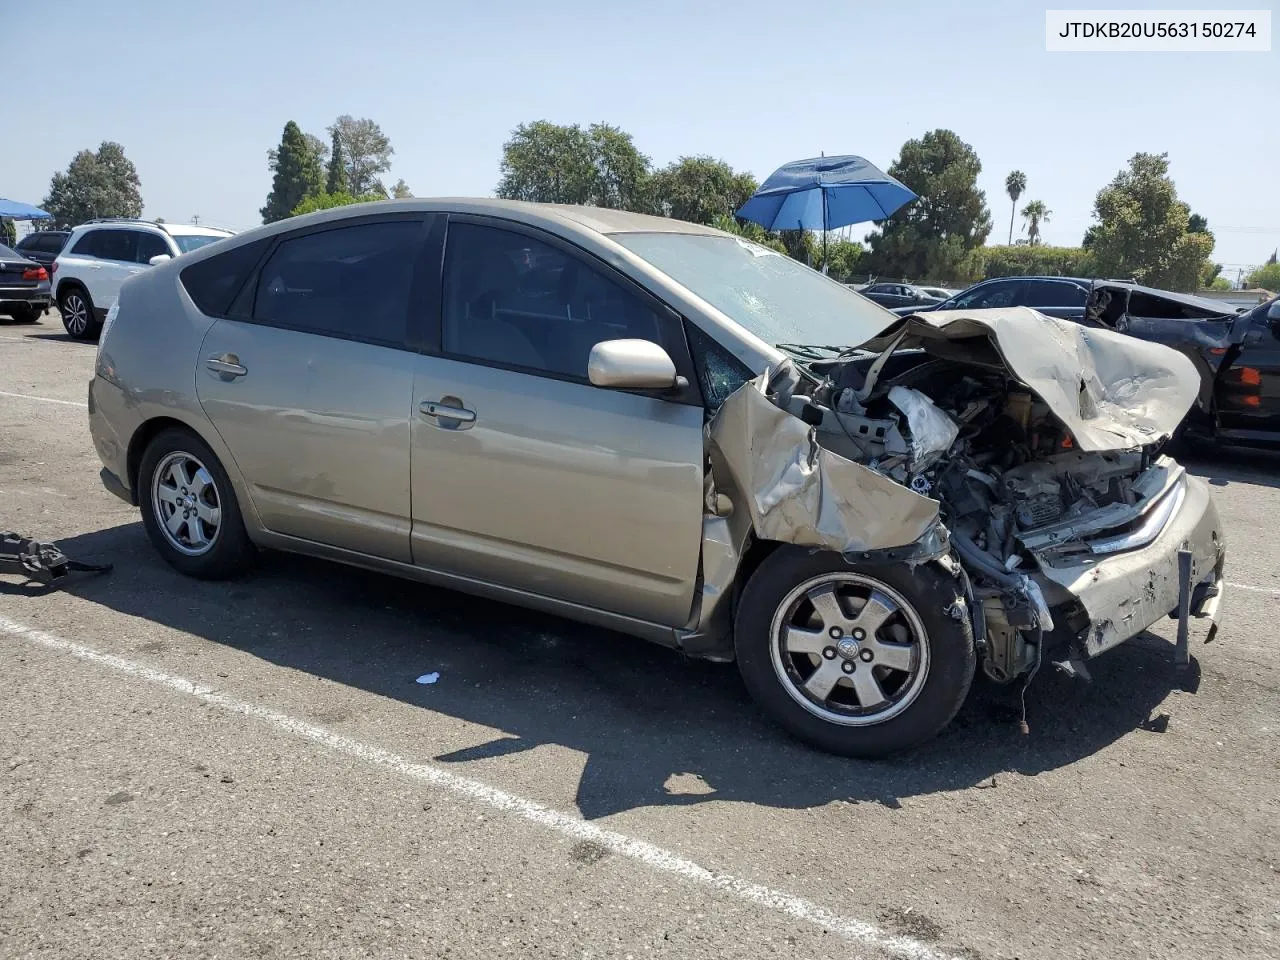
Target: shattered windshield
[[782, 302]]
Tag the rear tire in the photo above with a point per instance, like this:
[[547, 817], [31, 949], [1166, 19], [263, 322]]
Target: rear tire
[[76, 307], [26, 314], [189, 508], [861, 661]]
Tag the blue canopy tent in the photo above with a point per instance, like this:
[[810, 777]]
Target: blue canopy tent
[[823, 193], [13, 210]]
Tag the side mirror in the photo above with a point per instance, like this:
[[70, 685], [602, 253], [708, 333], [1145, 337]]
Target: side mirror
[[1273, 311], [159, 258], [631, 365]]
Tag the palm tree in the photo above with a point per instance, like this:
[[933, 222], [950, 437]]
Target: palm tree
[[1035, 213], [1014, 184]]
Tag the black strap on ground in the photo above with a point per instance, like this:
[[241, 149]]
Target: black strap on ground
[[40, 561]]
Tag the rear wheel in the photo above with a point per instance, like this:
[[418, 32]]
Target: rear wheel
[[860, 661], [76, 308], [26, 314], [189, 509]]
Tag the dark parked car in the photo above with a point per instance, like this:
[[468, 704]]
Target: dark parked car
[[24, 287], [1237, 353], [899, 295], [43, 246]]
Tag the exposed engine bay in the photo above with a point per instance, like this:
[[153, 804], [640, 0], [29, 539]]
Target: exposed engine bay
[[1006, 472]]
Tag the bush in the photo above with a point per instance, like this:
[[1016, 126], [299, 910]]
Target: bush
[[1036, 261], [327, 201]]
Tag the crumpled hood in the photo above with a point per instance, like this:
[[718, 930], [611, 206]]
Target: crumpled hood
[[1112, 391]]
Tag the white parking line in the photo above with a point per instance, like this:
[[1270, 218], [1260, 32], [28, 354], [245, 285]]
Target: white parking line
[[1246, 586], [28, 396], [654, 857]]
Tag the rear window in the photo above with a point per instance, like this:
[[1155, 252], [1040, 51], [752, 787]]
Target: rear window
[[213, 283], [190, 241]]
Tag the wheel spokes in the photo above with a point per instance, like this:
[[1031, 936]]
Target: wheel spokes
[[800, 640], [874, 613], [175, 522], [895, 656], [867, 687], [827, 605], [823, 680]]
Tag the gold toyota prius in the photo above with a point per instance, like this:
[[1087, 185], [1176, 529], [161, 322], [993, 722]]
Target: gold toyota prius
[[669, 431]]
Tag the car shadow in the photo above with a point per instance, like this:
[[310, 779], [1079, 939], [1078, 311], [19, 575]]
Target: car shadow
[[656, 728], [1229, 465]]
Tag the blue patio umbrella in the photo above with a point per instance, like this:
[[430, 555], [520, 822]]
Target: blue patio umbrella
[[13, 210], [823, 193]]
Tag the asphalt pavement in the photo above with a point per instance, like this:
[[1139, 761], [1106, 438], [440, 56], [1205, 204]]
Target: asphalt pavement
[[252, 769]]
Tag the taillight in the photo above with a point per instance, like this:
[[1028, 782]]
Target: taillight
[[35, 273]]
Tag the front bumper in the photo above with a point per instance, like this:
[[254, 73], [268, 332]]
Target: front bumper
[[1125, 592]]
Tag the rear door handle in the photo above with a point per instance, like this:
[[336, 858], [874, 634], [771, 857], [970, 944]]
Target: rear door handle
[[448, 409], [227, 365]]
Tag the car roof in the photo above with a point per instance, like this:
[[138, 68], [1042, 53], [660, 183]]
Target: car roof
[[192, 230], [1187, 299], [559, 218]]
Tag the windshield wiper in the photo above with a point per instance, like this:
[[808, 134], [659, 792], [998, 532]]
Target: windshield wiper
[[810, 351]]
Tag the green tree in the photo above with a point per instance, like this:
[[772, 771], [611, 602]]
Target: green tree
[[748, 231], [1143, 228], [1035, 213], [940, 235], [552, 163], [1014, 185], [1266, 277], [336, 179], [1197, 224], [699, 189], [96, 184], [1219, 283], [401, 190], [297, 174], [8, 232], [366, 153], [844, 257], [327, 201]]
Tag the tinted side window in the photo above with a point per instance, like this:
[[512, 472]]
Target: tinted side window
[[350, 282], [1053, 294], [116, 244], [212, 284], [514, 300], [87, 245], [150, 245], [991, 295]]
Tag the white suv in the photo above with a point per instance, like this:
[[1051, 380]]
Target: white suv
[[101, 254]]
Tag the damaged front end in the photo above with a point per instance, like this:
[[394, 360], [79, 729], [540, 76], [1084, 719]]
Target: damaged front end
[[1018, 450]]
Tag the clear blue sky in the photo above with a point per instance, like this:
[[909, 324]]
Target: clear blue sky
[[197, 91]]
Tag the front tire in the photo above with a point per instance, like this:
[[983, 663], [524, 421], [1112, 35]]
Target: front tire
[[76, 307], [861, 661], [189, 508]]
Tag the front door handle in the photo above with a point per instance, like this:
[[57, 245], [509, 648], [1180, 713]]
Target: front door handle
[[226, 365], [448, 412]]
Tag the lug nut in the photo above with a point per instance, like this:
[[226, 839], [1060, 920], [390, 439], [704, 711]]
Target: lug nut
[[847, 667], [867, 656], [835, 633], [829, 653]]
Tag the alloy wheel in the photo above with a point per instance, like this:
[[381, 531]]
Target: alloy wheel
[[75, 313], [849, 649], [186, 503]]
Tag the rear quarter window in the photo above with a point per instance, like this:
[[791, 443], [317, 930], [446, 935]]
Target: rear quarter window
[[213, 284]]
